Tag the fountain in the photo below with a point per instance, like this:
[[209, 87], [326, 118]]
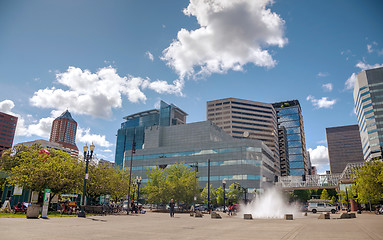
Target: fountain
[[270, 204]]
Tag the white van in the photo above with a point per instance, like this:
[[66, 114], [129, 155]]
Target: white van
[[321, 207]]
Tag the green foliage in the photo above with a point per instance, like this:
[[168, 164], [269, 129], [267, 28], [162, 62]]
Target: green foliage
[[369, 182], [156, 189], [234, 193], [334, 200], [302, 195], [213, 195], [176, 182], [324, 195], [36, 171], [219, 196], [106, 180]]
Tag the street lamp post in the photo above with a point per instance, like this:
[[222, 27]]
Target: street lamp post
[[138, 180], [131, 165], [224, 197], [87, 156], [208, 185]]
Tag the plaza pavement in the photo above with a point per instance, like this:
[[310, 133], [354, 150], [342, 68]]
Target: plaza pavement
[[182, 226]]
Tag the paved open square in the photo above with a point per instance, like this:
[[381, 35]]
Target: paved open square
[[182, 226]]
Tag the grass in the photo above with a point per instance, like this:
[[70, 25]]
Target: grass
[[50, 214]]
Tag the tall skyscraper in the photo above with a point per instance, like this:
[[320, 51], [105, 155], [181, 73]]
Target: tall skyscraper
[[283, 151], [368, 98], [247, 119], [135, 125], [64, 132], [344, 146], [289, 115], [7, 130]]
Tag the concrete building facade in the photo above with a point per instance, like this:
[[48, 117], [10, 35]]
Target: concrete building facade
[[289, 115], [247, 119], [368, 99], [8, 125], [344, 146], [248, 162]]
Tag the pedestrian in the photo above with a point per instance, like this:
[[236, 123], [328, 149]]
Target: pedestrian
[[171, 207], [230, 209]]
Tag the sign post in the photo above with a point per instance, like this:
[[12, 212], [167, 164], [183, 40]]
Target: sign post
[[47, 196]]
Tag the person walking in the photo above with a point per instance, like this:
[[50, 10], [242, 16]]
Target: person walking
[[171, 206]]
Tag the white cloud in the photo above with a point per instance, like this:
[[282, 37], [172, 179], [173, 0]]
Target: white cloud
[[327, 87], [364, 66], [98, 93], [350, 82], [322, 74], [6, 106], [84, 136], [42, 128], [150, 56], [319, 156], [324, 102], [369, 48], [231, 34]]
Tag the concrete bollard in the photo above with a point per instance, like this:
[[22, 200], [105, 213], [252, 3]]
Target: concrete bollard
[[215, 215], [324, 216], [289, 217], [247, 216], [198, 214], [344, 215]]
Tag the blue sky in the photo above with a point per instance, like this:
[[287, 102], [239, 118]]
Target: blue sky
[[104, 60]]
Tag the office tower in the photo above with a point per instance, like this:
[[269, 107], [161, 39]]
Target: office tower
[[314, 170], [7, 130], [283, 151], [247, 119], [368, 99], [344, 146], [63, 131], [135, 124], [245, 161], [289, 115]]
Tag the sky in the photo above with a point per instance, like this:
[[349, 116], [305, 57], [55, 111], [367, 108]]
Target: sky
[[103, 60]]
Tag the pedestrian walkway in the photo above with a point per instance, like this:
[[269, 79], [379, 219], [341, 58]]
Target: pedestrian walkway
[[182, 226]]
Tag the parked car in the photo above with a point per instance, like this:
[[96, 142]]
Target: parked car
[[321, 207], [200, 207]]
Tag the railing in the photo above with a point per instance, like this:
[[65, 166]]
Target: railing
[[319, 181]]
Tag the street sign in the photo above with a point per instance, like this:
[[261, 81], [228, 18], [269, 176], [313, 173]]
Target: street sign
[[47, 196]]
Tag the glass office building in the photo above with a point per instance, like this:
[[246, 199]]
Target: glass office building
[[368, 98], [135, 124], [248, 162], [289, 115]]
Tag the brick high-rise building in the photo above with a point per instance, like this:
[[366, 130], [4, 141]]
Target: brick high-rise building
[[7, 130], [64, 131]]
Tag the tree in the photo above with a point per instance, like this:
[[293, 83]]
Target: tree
[[235, 193], [369, 182], [213, 195], [302, 195], [180, 181], [106, 180], [37, 169], [156, 189], [324, 195], [219, 196]]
